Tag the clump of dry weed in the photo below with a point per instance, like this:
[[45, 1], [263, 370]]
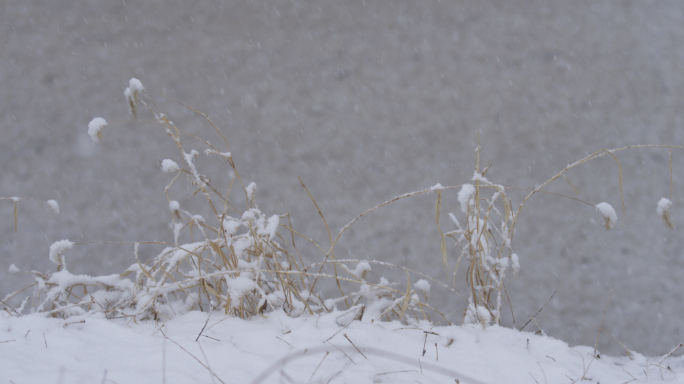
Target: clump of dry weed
[[239, 260], [485, 239], [246, 263]]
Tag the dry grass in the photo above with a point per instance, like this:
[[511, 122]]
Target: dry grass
[[52, 205], [245, 263], [238, 260]]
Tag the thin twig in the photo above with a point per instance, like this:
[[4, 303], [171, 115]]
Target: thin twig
[[194, 357], [357, 348], [675, 349], [602, 317], [319, 365], [540, 309], [343, 352], [205, 325], [369, 350], [284, 341], [207, 360]]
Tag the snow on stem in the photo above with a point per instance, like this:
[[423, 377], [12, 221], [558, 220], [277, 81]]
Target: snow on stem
[[57, 250], [96, 127], [663, 211], [608, 213]]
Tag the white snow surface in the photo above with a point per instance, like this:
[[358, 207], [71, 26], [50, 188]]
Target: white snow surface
[[211, 348]]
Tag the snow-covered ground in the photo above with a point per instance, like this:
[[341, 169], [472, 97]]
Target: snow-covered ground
[[202, 348]]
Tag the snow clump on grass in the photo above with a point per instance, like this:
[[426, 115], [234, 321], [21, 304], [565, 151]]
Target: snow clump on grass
[[465, 197], [515, 260], [132, 94], [169, 166], [423, 286], [57, 250], [53, 205], [664, 213], [251, 191], [13, 269], [608, 213], [96, 127]]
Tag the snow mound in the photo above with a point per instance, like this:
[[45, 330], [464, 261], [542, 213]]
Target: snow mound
[[202, 347]]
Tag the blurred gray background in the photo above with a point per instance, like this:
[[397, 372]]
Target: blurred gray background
[[364, 100]]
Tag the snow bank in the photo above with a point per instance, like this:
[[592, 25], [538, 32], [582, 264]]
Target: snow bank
[[308, 349]]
